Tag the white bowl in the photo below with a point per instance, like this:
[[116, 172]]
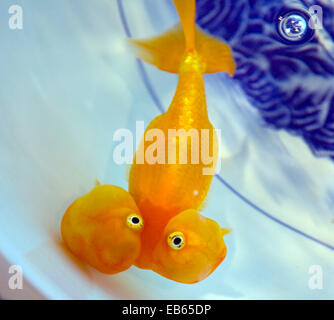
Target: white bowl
[[69, 82]]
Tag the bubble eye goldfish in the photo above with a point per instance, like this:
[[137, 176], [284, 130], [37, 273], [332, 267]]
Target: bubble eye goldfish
[[105, 228], [163, 189], [190, 248], [102, 228]]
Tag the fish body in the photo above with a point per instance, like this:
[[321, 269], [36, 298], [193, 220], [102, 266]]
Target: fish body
[[164, 190]]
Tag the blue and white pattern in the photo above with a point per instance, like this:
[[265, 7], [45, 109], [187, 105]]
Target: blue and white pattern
[[290, 83]]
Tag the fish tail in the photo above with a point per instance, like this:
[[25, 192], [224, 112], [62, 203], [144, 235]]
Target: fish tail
[[186, 10], [167, 51]]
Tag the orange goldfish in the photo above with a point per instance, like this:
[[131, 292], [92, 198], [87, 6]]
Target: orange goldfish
[[157, 225], [102, 228], [169, 195]]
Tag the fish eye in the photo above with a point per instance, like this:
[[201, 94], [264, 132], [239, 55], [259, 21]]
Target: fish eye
[[134, 221], [293, 26], [176, 240]]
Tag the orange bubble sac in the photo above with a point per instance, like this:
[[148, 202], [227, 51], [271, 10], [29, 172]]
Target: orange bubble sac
[[190, 248], [102, 229]]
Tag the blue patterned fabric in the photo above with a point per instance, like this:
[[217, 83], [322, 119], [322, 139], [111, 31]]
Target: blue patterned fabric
[[291, 84]]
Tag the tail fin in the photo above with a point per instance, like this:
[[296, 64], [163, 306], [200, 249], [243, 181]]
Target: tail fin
[[186, 10], [167, 50], [164, 51]]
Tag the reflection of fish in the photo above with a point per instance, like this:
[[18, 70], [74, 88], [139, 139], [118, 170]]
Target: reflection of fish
[[102, 228], [162, 190], [289, 81]]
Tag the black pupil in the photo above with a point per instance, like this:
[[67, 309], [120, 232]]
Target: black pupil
[[177, 241], [135, 220]]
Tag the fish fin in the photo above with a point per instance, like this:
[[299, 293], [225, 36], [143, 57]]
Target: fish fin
[[215, 53], [226, 231], [186, 11], [167, 50], [97, 183], [164, 51]]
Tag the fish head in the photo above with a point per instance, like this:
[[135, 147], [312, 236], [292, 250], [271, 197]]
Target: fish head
[[190, 248]]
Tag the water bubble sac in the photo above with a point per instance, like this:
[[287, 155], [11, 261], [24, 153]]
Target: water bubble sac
[[293, 27]]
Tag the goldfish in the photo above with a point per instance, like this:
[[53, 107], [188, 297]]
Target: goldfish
[[102, 228], [176, 241], [156, 225]]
